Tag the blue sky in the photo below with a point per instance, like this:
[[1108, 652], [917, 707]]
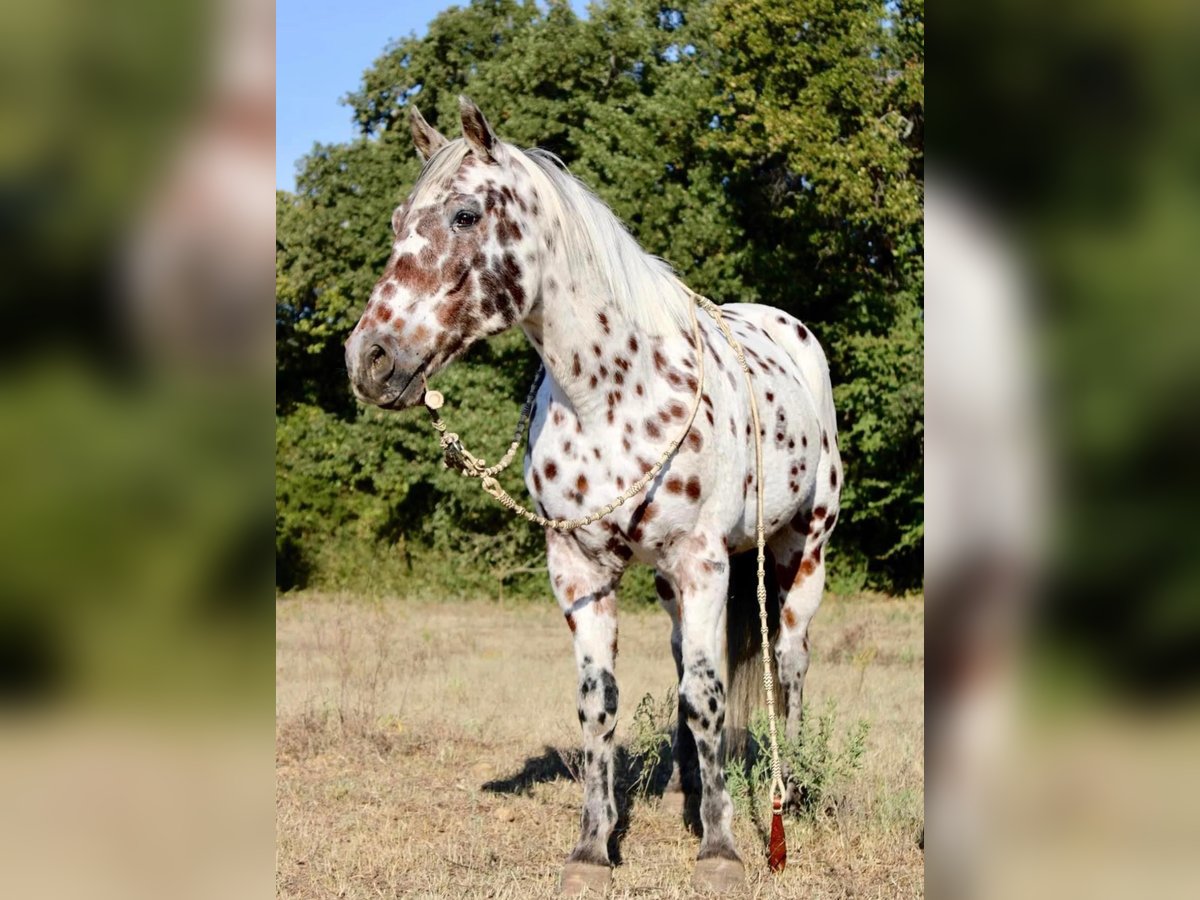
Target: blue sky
[[321, 50]]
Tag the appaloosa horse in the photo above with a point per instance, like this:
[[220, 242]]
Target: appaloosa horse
[[493, 236]]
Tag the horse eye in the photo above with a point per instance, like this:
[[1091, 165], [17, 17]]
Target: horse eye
[[465, 218]]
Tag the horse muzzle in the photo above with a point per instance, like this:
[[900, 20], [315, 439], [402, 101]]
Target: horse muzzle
[[384, 377]]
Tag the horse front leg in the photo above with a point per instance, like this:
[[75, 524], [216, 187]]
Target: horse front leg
[[699, 570], [586, 591]]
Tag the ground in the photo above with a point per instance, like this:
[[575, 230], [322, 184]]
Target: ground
[[425, 749]]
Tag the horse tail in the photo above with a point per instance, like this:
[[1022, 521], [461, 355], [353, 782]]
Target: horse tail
[[744, 690]]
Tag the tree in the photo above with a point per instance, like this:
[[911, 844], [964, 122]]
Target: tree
[[769, 152]]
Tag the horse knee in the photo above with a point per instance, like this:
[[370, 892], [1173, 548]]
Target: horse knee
[[598, 696]]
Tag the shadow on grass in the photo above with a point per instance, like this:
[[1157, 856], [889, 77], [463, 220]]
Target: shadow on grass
[[631, 779]]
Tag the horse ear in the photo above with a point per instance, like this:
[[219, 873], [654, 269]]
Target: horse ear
[[427, 138], [480, 137]]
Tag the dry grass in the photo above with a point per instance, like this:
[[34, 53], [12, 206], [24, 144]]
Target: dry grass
[[425, 750]]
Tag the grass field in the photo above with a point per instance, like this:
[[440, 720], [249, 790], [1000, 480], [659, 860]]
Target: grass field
[[426, 750]]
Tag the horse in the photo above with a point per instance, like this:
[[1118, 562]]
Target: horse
[[493, 236]]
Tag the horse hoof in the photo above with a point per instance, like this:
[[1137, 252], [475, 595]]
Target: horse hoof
[[719, 875], [672, 803], [580, 878]]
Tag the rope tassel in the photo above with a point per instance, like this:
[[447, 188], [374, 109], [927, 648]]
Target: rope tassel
[[777, 849]]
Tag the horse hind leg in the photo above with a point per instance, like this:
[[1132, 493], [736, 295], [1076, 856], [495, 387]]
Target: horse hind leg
[[684, 782], [800, 573]]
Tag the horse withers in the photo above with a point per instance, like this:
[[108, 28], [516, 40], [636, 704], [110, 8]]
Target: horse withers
[[493, 237]]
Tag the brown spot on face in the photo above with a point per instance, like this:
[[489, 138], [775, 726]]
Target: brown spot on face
[[408, 272], [824, 441], [633, 344], [674, 485], [576, 367], [833, 477], [571, 622], [652, 429], [694, 441], [593, 381], [770, 397], [383, 313], [596, 349], [638, 389], [693, 488], [803, 332], [386, 290], [819, 512], [660, 361], [550, 469], [604, 323], [537, 482], [581, 483], [557, 416], [677, 410], [789, 617]]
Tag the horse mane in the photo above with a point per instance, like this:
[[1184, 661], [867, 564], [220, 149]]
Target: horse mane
[[601, 251]]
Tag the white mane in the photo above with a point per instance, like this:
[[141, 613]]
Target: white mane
[[601, 252]]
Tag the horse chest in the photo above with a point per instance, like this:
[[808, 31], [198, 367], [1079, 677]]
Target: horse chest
[[571, 471]]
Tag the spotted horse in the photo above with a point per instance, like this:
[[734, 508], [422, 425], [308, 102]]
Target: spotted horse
[[493, 237]]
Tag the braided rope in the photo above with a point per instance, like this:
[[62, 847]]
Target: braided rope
[[456, 456]]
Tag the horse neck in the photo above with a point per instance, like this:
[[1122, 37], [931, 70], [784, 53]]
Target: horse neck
[[597, 355]]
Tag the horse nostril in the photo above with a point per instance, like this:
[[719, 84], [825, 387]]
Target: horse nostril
[[379, 364]]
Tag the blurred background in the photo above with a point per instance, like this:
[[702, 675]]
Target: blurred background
[[1062, 353], [136, 170]]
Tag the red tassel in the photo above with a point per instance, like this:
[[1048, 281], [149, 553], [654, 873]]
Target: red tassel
[[777, 849]]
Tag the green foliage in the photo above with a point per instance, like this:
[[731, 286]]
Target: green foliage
[[650, 739], [769, 151], [820, 766]]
